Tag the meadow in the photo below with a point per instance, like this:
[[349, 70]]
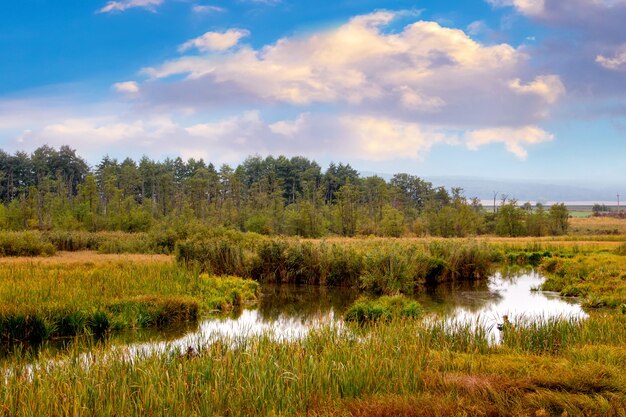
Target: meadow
[[75, 293], [391, 358]]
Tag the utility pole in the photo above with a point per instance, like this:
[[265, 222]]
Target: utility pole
[[618, 202]]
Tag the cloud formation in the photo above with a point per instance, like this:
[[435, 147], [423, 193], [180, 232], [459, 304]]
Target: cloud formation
[[126, 87], [616, 62], [513, 139], [425, 72], [199, 8], [235, 137], [122, 5], [215, 41]]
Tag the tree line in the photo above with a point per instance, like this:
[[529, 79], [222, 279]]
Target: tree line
[[56, 189]]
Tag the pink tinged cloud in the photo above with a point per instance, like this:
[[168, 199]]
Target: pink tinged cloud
[[215, 41], [617, 62], [353, 63], [126, 87]]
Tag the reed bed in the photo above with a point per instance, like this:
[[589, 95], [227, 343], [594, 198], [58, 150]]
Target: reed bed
[[599, 279], [395, 367], [377, 266], [39, 301]]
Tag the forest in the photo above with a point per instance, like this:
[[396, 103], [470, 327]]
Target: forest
[[52, 189]]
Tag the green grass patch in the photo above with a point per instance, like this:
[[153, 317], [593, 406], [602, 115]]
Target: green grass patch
[[366, 310]]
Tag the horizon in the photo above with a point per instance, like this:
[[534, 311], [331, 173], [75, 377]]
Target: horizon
[[489, 89]]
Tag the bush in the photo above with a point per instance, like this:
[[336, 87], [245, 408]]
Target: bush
[[24, 244]]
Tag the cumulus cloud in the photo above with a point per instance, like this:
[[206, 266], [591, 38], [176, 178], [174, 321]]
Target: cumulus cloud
[[215, 41], [425, 72], [126, 87], [549, 87], [513, 139], [120, 6]]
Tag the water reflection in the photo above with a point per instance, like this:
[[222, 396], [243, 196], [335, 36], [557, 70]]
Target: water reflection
[[516, 297], [288, 312]]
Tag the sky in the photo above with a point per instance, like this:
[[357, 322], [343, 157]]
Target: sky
[[502, 89]]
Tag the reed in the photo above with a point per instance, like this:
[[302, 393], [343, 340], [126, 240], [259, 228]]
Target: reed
[[380, 266], [598, 279], [366, 310], [24, 244], [393, 368], [41, 300]]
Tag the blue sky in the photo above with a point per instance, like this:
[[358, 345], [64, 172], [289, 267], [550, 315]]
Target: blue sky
[[491, 88]]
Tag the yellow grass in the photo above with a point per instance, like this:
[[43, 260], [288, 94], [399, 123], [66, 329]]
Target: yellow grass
[[597, 226], [86, 258]]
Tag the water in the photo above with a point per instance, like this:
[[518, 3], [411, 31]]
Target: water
[[289, 312]]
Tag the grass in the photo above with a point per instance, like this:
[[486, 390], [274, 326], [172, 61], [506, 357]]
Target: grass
[[393, 366], [75, 294], [599, 279], [367, 310], [399, 366], [379, 266], [597, 226]]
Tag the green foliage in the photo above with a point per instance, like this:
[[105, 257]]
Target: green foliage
[[24, 244], [392, 223], [599, 279], [366, 310], [378, 266], [40, 301], [509, 220]]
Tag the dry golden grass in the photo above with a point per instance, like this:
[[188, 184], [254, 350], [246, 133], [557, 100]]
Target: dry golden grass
[[87, 258], [598, 242], [597, 226]]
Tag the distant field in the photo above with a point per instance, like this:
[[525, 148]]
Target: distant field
[[580, 213], [597, 226]]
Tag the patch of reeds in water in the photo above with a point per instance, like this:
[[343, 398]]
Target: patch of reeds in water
[[367, 310], [379, 266]]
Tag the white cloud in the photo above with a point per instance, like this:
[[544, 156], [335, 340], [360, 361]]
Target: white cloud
[[120, 6], [423, 68], [513, 139], [549, 87], [617, 62], [126, 87], [230, 139], [207, 9], [529, 7], [215, 41], [477, 27]]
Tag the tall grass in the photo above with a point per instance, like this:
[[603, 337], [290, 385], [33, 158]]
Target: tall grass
[[379, 266], [39, 301], [396, 366], [598, 279], [24, 244], [365, 310]]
